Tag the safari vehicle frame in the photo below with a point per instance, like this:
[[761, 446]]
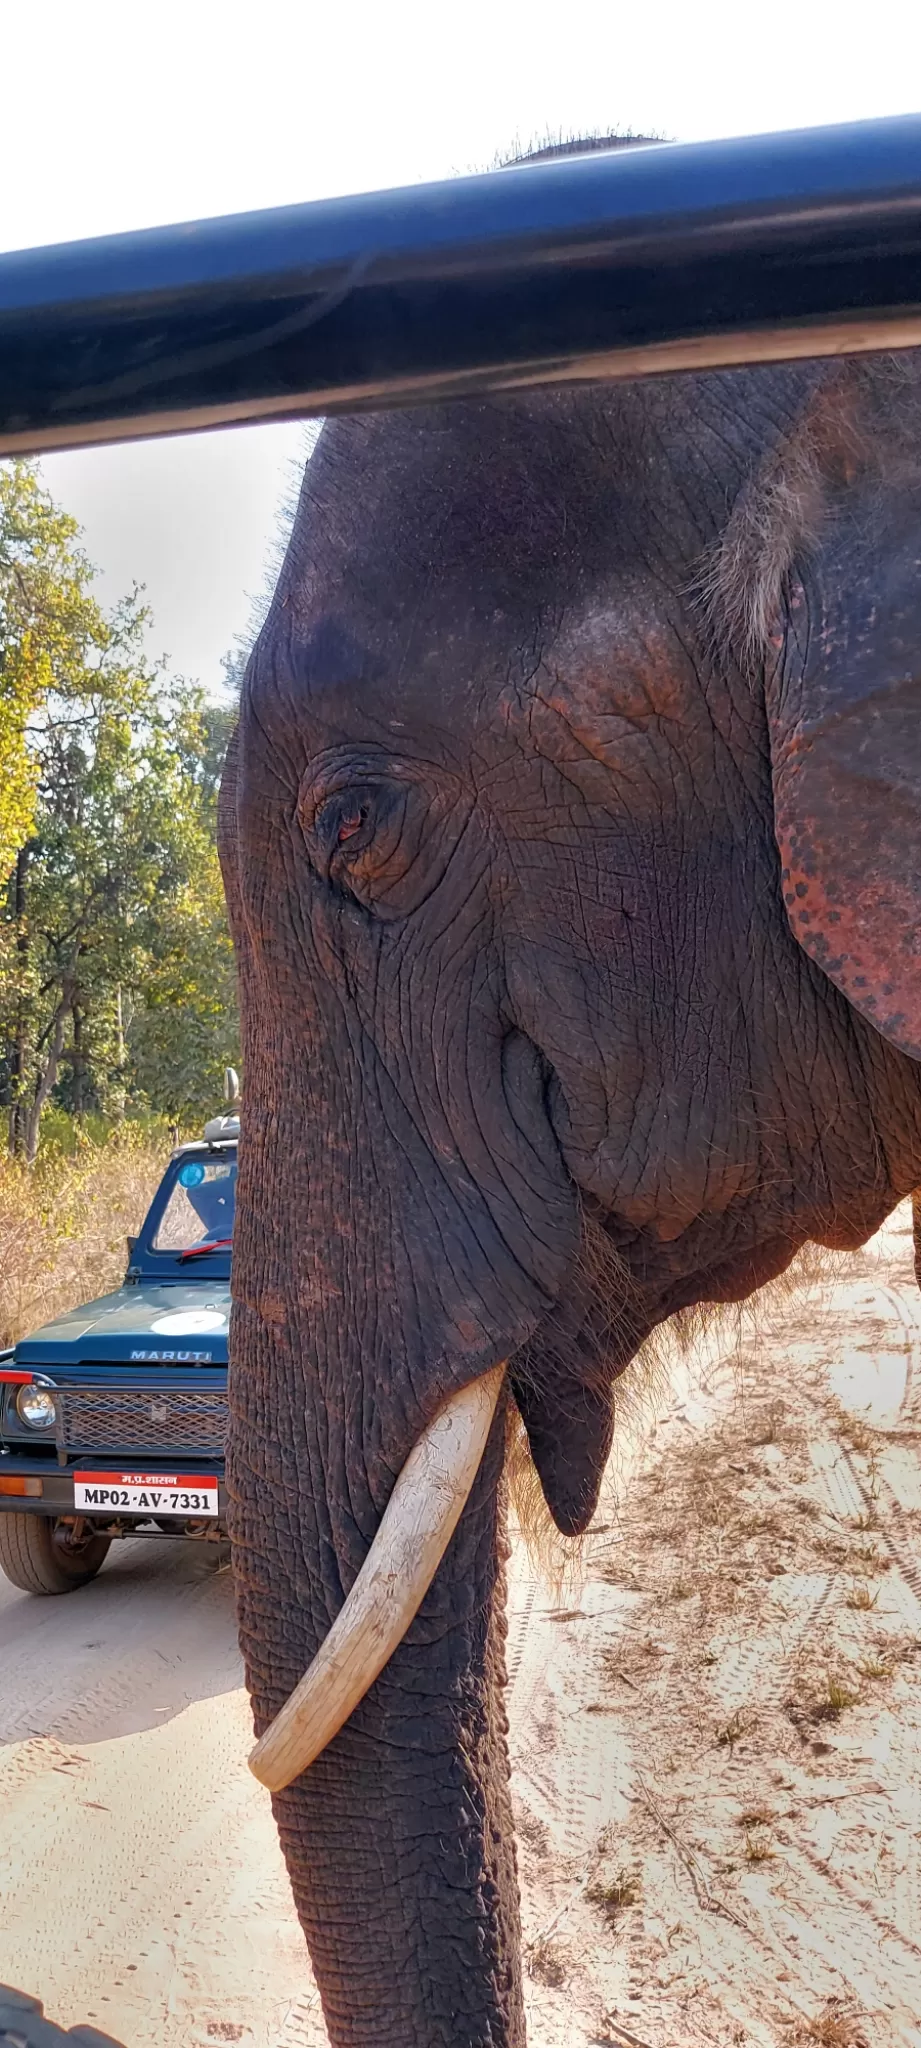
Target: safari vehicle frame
[[617, 263]]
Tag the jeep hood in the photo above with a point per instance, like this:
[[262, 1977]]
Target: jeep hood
[[145, 1324]]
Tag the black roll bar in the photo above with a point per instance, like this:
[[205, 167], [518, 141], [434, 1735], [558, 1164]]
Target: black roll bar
[[616, 264]]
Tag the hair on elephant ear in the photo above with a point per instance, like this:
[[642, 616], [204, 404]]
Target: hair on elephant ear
[[777, 515]]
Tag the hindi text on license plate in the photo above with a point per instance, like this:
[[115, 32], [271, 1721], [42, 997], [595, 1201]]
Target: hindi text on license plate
[[145, 1493]]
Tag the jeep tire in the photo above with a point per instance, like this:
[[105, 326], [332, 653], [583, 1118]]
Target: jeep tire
[[37, 1556]]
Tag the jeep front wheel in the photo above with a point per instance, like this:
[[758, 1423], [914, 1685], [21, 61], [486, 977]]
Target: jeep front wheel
[[48, 1554]]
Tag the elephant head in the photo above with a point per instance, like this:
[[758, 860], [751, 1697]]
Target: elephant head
[[571, 843]]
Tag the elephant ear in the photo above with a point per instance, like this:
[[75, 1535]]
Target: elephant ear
[[844, 718]]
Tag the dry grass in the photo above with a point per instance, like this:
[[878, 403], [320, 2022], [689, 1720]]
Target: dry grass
[[832, 2029], [732, 1731], [769, 1425], [63, 1224], [825, 1700], [874, 1667], [865, 1557], [550, 1962], [861, 1597], [853, 1431], [755, 1817], [677, 1589], [838, 1696], [612, 1895]]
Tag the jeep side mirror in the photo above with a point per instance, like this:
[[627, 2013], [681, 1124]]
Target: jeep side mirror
[[132, 1245]]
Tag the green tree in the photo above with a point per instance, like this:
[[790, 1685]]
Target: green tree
[[181, 1029], [54, 639], [129, 951], [116, 979], [51, 629]]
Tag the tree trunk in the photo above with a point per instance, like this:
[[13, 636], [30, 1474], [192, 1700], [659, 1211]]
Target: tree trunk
[[46, 1079], [118, 1100], [78, 1061], [19, 1052]]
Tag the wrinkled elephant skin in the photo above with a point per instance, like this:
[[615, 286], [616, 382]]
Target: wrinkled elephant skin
[[571, 842]]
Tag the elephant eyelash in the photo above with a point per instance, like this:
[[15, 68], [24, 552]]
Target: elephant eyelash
[[350, 824], [341, 825]]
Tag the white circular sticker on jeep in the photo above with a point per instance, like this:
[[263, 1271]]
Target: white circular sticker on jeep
[[189, 1322]]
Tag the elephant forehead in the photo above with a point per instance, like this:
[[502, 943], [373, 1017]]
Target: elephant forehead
[[421, 680], [425, 681]]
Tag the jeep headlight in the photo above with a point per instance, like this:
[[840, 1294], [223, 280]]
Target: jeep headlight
[[35, 1406]]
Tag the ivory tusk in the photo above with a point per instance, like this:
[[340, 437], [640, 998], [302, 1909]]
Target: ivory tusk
[[418, 1523]]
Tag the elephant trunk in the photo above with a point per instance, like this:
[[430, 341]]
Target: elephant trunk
[[398, 1839]]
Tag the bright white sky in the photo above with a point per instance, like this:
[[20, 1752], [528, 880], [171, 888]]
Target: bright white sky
[[120, 115]]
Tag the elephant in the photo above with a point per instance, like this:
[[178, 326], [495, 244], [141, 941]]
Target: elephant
[[570, 838]]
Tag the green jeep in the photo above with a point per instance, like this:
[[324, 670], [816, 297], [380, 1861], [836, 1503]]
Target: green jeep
[[112, 1418]]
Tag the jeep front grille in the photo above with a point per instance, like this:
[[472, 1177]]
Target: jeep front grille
[[122, 1419]]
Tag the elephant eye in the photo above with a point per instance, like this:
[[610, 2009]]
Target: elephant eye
[[351, 823], [382, 834], [347, 820]]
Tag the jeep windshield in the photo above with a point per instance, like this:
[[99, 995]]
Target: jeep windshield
[[197, 1217]]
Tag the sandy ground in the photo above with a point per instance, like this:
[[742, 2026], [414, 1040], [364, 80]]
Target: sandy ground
[[716, 1736]]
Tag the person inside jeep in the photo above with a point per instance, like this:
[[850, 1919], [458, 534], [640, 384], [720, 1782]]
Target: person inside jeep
[[203, 1195]]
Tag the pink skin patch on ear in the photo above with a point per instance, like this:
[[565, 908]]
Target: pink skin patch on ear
[[861, 925]]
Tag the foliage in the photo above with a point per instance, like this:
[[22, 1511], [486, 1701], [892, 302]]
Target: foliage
[[116, 977], [51, 631], [64, 1222]]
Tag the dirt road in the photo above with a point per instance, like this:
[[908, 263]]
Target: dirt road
[[716, 1736], [139, 1869]]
